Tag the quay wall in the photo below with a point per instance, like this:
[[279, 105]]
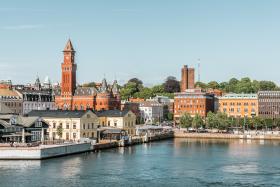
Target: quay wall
[[225, 136], [37, 153]]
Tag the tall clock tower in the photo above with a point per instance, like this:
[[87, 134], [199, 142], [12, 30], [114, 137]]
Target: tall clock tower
[[69, 68]]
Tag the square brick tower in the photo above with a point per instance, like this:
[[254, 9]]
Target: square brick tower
[[187, 80]]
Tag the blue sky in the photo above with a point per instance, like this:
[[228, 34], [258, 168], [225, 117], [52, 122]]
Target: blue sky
[[149, 39]]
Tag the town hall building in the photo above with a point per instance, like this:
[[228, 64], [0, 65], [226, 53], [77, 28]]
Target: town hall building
[[73, 97]]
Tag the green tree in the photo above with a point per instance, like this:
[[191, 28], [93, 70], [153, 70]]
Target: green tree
[[170, 116], [213, 85], [223, 121], [201, 85], [186, 120], [59, 131], [171, 85], [211, 120], [197, 121]]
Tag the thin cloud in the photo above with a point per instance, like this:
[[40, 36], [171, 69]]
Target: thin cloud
[[22, 27]]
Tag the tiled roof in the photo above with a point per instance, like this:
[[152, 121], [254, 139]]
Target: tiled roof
[[112, 113], [85, 91], [58, 113]]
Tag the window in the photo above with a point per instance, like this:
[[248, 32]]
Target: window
[[84, 126], [54, 125], [74, 126], [67, 126], [74, 135], [108, 123]]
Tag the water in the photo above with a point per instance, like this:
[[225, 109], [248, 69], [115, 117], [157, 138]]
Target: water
[[179, 162]]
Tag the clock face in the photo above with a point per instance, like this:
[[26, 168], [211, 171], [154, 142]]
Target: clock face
[[67, 57]]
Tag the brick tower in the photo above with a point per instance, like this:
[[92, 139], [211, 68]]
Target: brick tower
[[187, 81], [68, 67]]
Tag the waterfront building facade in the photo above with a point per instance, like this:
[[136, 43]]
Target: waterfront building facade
[[168, 104], [124, 120], [73, 124], [239, 105], [72, 97], [188, 78], [12, 99], [269, 104], [193, 101], [151, 112], [133, 107], [13, 128], [37, 97]]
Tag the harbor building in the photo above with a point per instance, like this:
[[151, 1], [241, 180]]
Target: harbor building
[[74, 125], [72, 97], [193, 101], [239, 105], [269, 104], [117, 119]]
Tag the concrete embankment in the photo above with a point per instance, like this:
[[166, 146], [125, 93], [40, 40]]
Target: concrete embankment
[[225, 136], [133, 141], [42, 152]]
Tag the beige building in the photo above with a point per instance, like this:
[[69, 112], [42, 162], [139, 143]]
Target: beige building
[[75, 124], [125, 120], [11, 99], [239, 105]]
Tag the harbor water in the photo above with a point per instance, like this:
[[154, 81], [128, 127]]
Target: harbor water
[[174, 162]]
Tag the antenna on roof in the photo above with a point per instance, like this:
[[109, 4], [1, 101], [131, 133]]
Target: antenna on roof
[[198, 70]]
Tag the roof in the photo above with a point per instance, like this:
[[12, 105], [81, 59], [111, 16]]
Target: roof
[[239, 96], [149, 104], [85, 91], [26, 121], [69, 46], [4, 123], [8, 92], [112, 113], [58, 113]]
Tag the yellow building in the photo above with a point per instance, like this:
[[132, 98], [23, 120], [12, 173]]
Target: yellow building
[[75, 124], [239, 105], [125, 120]]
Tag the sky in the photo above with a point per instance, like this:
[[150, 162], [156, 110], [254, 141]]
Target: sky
[[147, 39]]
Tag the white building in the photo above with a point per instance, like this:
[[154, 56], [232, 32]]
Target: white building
[[37, 97], [75, 124], [124, 120], [151, 111]]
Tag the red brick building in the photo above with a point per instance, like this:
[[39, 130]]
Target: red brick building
[[193, 101], [72, 97], [187, 80]]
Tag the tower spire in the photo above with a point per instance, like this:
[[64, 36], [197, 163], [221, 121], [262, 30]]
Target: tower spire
[[69, 47]]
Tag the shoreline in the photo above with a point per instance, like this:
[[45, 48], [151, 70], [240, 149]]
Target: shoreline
[[225, 136]]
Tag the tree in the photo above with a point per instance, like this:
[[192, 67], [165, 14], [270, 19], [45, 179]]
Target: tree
[[171, 85], [170, 116], [223, 121], [213, 85], [128, 90], [211, 120], [137, 82], [186, 120], [145, 93], [267, 85], [158, 89], [201, 85], [197, 121], [59, 131]]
